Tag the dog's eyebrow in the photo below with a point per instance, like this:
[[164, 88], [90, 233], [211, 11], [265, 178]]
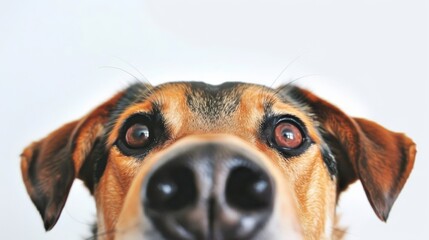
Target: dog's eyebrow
[[135, 93]]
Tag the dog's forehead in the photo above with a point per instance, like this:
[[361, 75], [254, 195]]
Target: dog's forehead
[[217, 102], [213, 102]]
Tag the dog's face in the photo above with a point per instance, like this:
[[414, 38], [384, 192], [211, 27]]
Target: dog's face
[[234, 161]]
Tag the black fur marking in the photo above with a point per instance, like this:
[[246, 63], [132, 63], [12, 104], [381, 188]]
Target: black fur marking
[[329, 160], [344, 167], [95, 165], [94, 230], [402, 168], [86, 172], [41, 200], [213, 102]]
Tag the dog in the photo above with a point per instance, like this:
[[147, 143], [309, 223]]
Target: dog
[[189, 160]]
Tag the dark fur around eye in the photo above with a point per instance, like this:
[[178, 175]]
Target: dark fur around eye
[[157, 133], [268, 134]]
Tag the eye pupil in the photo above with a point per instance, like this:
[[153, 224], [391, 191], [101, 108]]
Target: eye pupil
[[288, 135], [137, 135]]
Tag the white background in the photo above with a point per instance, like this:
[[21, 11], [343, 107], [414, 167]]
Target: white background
[[59, 59]]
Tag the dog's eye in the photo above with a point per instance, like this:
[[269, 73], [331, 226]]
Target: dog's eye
[[140, 133], [288, 135], [137, 135]]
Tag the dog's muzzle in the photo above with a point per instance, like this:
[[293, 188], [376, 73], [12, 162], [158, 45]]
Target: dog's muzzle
[[205, 188], [209, 191]]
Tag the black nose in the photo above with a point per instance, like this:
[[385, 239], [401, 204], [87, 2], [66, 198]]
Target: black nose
[[209, 192]]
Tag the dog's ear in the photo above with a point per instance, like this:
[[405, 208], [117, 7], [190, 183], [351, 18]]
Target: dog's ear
[[381, 159], [50, 165]]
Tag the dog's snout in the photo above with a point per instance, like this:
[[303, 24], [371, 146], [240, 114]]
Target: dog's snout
[[210, 191]]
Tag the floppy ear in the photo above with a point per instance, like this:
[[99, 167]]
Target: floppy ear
[[50, 165], [382, 160]]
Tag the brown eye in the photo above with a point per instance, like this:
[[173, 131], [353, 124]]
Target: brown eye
[[137, 135], [288, 135]]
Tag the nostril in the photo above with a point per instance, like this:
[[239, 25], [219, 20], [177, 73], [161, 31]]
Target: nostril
[[248, 189], [171, 188]]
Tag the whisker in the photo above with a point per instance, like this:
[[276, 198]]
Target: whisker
[[288, 84], [149, 85], [75, 219], [284, 70], [113, 231], [135, 68], [268, 99], [304, 76], [118, 68], [339, 233], [107, 233]]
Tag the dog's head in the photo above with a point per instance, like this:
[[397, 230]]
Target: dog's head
[[234, 161]]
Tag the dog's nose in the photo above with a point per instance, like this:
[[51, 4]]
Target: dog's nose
[[209, 192]]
